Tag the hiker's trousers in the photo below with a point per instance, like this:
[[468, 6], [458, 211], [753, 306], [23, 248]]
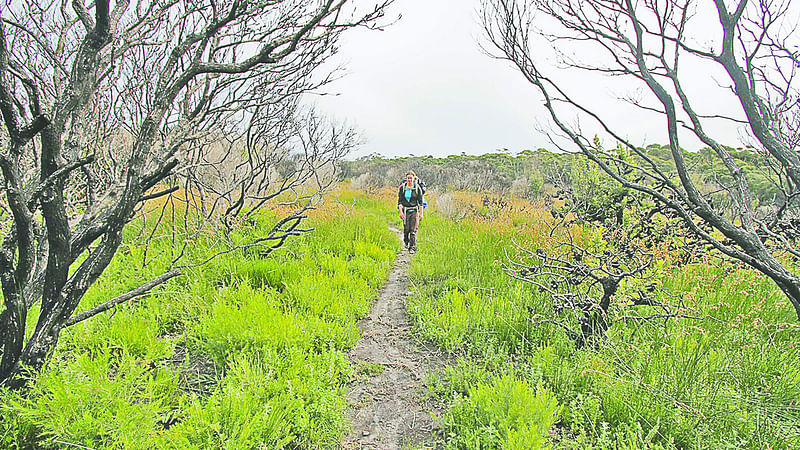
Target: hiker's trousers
[[410, 225]]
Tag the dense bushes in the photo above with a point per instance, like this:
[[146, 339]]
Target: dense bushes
[[539, 173]]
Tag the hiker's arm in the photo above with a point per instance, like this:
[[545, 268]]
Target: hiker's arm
[[399, 204]]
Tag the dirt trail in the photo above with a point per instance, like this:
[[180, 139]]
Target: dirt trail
[[387, 409]]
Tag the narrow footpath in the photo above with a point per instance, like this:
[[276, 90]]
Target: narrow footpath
[[388, 408]]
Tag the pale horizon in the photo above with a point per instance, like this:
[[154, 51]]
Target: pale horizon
[[424, 87]]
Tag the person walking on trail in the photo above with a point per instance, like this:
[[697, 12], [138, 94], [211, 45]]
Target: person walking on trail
[[410, 204]]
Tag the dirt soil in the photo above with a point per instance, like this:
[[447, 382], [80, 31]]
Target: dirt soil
[[388, 405]]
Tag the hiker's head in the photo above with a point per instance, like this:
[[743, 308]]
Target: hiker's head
[[410, 176]]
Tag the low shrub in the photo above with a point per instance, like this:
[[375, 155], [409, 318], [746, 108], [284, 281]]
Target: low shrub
[[506, 413]]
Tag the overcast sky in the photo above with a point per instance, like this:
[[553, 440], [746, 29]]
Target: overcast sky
[[424, 87]]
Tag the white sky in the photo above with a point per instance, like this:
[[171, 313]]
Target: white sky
[[424, 87]]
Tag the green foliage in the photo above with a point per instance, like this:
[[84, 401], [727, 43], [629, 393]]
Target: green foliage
[[543, 171], [242, 352], [244, 319], [729, 379], [105, 398], [595, 195], [535, 184], [506, 413], [270, 400]]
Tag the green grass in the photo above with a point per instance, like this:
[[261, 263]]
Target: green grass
[[248, 352], [733, 382], [506, 413], [242, 352]]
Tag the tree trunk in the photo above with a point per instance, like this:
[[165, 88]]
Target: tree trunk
[[790, 285], [12, 321], [596, 323]]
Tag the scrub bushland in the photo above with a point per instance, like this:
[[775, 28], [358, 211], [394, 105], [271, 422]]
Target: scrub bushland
[[250, 351]]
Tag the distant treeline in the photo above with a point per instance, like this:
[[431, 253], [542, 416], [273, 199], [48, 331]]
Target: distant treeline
[[537, 173]]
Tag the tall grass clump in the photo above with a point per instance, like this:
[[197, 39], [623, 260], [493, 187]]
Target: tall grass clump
[[506, 413]]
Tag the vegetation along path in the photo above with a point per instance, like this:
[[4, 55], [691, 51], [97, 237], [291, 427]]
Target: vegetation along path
[[388, 409]]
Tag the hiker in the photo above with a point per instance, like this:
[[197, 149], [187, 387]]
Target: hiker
[[410, 204]]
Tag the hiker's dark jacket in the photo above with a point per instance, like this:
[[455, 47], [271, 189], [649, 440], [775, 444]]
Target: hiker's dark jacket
[[416, 196]]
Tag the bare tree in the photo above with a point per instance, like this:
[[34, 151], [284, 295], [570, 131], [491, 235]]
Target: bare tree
[[753, 44], [593, 283], [109, 105]]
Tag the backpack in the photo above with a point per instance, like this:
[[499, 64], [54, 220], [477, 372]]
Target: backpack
[[420, 183]]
